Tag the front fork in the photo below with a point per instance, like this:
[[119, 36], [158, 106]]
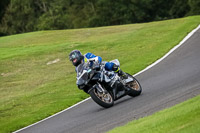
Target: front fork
[[100, 88]]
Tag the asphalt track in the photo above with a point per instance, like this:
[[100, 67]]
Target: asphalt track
[[171, 81]]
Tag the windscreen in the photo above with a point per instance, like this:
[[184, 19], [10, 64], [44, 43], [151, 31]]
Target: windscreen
[[82, 73]]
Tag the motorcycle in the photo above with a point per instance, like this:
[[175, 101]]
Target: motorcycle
[[103, 86]]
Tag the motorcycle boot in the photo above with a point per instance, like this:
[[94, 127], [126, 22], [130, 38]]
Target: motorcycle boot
[[122, 74]]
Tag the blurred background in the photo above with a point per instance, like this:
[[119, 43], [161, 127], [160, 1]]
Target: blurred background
[[20, 16]]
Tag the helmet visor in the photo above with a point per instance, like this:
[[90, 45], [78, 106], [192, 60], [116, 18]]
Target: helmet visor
[[72, 56]]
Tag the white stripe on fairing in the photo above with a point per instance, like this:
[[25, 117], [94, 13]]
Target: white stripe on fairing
[[148, 67]]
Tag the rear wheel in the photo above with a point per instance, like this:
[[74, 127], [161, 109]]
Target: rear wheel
[[104, 99], [135, 87]]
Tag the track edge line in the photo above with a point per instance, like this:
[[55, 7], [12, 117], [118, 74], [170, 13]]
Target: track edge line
[[52, 115], [172, 50], [148, 67]]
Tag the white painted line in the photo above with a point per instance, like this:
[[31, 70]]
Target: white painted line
[[51, 116], [172, 50], [148, 67]]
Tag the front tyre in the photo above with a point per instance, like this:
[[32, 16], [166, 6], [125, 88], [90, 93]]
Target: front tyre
[[103, 99], [135, 87]]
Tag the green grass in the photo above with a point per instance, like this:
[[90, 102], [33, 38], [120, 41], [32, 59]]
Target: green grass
[[182, 118], [31, 90]]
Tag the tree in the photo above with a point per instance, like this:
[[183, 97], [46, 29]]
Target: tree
[[3, 6], [19, 16], [179, 9], [194, 7], [54, 15]]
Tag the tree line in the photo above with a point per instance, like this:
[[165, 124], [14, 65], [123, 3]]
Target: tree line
[[19, 16]]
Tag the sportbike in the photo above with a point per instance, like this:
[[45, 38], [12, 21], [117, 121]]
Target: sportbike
[[103, 86]]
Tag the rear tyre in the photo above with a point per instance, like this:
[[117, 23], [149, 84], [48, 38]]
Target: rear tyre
[[135, 87], [103, 99]]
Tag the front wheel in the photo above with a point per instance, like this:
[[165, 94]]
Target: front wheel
[[135, 87], [104, 99]]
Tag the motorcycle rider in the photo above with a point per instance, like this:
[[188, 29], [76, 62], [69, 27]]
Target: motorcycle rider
[[77, 58]]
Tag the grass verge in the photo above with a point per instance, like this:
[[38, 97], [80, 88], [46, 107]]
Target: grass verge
[[31, 90], [181, 118]]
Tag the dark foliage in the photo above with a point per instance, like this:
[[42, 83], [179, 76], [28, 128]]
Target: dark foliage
[[19, 16]]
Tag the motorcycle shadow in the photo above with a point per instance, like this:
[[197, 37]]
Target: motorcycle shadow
[[116, 104]]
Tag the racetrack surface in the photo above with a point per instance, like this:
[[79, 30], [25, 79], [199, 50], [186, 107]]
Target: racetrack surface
[[171, 81]]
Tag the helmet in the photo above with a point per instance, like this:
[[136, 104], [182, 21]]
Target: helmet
[[76, 57]]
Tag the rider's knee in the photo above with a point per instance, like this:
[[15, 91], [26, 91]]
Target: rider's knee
[[109, 66]]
